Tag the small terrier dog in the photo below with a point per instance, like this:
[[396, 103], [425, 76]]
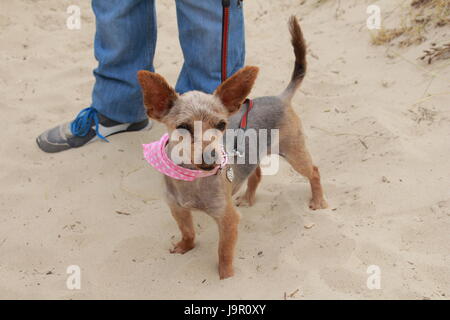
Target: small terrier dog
[[221, 110]]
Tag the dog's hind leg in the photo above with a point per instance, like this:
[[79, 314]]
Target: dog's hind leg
[[248, 198], [301, 161], [186, 226], [293, 149]]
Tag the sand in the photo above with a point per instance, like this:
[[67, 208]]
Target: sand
[[381, 142]]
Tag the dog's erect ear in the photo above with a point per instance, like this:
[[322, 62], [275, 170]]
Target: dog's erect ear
[[233, 91], [158, 95]]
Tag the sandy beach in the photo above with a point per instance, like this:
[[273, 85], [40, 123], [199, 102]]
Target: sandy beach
[[378, 125]]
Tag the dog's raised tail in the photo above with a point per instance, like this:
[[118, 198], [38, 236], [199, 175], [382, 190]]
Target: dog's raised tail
[[300, 59]]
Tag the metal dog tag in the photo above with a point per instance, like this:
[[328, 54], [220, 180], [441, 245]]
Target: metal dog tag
[[230, 174]]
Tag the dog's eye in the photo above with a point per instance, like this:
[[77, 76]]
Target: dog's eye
[[185, 126], [221, 125]]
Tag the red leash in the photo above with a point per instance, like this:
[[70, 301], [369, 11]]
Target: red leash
[[225, 26], [243, 124], [225, 31]]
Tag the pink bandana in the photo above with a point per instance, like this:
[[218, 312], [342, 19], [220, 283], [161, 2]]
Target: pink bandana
[[155, 154]]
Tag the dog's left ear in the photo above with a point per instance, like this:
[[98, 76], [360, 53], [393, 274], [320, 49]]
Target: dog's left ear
[[233, 91], [158, 95]]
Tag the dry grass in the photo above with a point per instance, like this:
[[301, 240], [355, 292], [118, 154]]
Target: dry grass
[[421, 15], [437, 53], [387, 35]]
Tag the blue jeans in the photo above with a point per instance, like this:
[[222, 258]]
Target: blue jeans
[[125, 42]]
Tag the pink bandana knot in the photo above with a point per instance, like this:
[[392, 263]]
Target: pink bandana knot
[[155, 154]]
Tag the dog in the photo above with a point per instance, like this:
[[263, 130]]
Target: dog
[[220, 111]]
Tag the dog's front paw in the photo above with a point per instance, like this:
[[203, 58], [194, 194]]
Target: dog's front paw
[[316, 204], [226, 272], [183, 247], [245, 200]]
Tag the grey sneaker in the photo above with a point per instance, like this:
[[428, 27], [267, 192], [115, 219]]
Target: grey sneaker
[[87, 127]]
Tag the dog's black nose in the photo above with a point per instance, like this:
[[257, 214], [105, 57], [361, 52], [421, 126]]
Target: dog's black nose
[[207, 167]]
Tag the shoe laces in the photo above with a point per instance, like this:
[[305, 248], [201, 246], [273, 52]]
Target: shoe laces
[[83, 123]]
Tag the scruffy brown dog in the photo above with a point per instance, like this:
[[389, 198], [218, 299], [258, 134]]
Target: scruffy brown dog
[[222, 110]]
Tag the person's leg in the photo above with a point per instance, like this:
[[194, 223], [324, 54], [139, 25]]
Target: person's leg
[[125, 42], [200, 31]]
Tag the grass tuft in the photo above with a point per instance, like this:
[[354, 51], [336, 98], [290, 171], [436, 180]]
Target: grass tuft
[[421, 15], [436, 53]]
